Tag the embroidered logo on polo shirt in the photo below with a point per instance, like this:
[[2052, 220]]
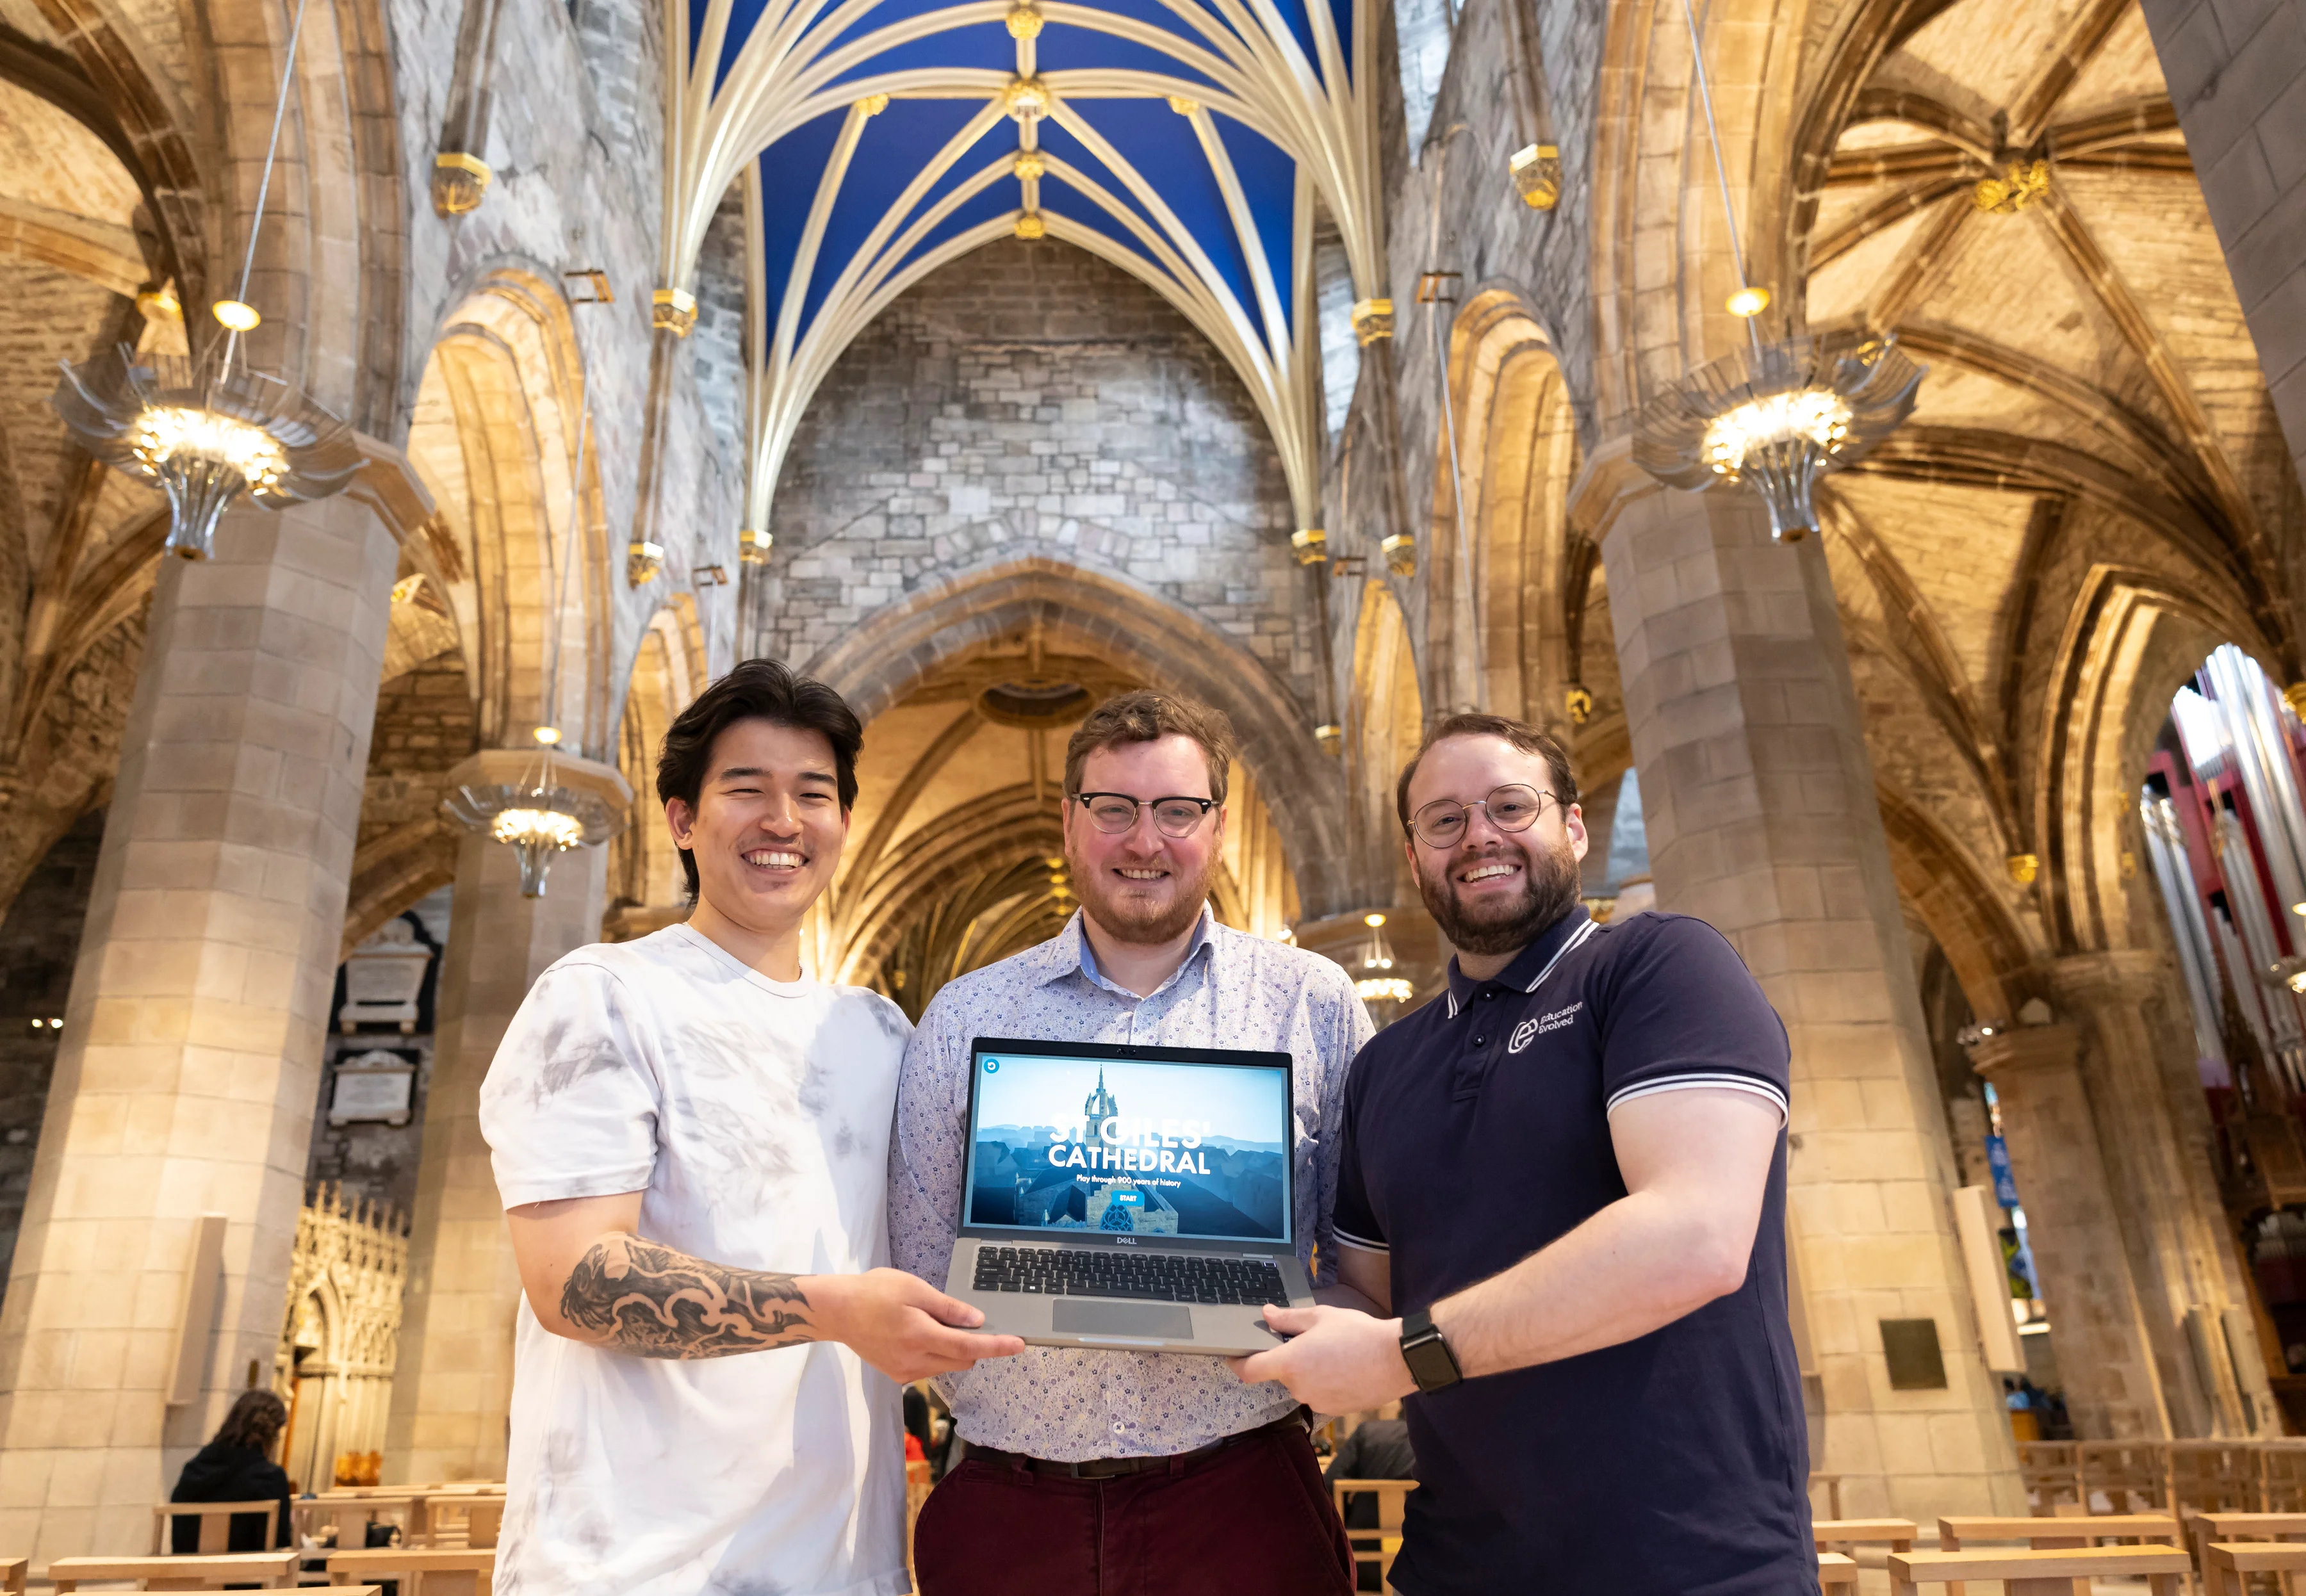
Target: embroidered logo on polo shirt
[[1529, 1031]]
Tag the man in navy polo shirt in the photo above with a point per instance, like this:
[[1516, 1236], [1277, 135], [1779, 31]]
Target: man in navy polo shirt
[[1568, 1176]]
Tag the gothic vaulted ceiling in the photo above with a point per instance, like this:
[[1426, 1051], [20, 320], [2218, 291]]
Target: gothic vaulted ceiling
[[1189, 142]]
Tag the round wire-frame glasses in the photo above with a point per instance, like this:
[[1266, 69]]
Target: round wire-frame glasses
[[1113, 812], [1514, 807]]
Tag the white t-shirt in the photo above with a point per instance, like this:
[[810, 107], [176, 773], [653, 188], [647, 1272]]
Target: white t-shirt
[[754, 1117]]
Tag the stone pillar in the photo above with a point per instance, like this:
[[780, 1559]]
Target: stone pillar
[[191, 1049], [2114, 1391], [1758, 795], [452, 1387], [2155, 1130], [2237, 75]]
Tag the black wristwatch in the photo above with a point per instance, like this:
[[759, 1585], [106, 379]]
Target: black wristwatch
[[1431, 1364]]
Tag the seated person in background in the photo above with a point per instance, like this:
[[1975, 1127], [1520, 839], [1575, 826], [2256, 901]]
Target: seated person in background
[[237, 1466], [1379, 1449]]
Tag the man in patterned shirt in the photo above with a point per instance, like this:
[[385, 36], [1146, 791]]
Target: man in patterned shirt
[[1085, 1468]]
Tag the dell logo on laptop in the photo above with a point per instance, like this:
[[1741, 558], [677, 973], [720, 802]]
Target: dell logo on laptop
[[1124, 1241]]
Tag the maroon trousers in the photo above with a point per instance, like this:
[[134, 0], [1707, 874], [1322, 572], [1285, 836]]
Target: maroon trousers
[[1252, 1519]]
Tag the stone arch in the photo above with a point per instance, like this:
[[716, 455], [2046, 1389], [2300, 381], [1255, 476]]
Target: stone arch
[[2131, 638], [1516, 454], [646, 880], [1142, 635], [493, 438], [1991, 954], [1385, 726]]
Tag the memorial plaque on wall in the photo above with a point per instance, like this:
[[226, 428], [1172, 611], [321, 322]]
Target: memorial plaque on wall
[[1911, 1346], [379, 1084]]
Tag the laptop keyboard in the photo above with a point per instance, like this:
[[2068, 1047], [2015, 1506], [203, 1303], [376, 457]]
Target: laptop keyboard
[[1145, 1277]]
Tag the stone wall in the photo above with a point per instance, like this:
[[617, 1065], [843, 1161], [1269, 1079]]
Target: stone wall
[[1030, 399]]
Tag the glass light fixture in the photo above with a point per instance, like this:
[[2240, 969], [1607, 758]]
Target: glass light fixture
[[1374, 980], [205, 433], [536, 816], [208, 432], [1774, 415], [1770, 418]]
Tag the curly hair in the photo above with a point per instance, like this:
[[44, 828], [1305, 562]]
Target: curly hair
[[255, 1419]]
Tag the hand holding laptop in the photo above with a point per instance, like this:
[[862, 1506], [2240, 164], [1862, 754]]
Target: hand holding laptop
[[905, 1327]]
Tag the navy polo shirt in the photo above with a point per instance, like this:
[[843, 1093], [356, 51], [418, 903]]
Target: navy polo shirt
[[1476, 1132]]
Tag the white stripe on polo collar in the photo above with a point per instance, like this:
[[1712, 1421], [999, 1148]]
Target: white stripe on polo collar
[[1577, 939]]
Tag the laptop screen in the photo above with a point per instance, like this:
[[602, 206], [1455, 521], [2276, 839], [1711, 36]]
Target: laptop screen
[[1185, 1149]]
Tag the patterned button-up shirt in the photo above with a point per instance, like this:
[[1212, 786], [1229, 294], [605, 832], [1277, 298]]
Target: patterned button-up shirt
[[1233, 990]]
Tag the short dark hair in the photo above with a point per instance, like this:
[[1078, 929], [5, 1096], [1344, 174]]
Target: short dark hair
[[1147, 717], [254, 1418], [1528, 739], [755, 690]]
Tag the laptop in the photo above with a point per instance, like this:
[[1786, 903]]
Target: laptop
[[1133, 1198]]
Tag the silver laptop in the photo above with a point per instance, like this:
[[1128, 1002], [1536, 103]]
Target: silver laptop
[[1133, 1198]]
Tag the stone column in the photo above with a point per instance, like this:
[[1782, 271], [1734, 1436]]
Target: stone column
[[452, 1387], [1758, 795], [191, 1049], [2155, 1134], [2114, 1391], [2237, 75]]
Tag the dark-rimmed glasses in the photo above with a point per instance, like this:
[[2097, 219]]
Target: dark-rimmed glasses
[[1113, 812], [1441, 824]]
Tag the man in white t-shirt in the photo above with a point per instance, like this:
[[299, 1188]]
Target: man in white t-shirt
[[691, 1142]]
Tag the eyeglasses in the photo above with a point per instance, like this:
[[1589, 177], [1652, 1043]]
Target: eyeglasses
[[1113, 812], [1441, 824]]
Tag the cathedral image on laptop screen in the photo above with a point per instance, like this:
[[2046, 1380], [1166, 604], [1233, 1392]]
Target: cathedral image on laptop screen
[[1155, 1149]]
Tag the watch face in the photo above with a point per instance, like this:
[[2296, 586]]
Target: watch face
[[1430, 1362]]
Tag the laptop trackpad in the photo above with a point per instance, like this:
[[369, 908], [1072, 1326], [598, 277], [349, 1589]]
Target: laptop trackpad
[[1156, 1320]]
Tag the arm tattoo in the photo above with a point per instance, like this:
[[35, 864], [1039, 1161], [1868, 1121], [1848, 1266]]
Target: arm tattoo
[[654, 1302]]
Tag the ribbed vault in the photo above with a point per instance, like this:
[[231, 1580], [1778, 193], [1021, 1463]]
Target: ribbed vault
[[1189, 142]]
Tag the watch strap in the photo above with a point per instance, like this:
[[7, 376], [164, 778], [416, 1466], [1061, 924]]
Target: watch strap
[[1426, 1351]]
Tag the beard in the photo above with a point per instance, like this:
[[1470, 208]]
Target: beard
[[1551, 889], [1129, 916]]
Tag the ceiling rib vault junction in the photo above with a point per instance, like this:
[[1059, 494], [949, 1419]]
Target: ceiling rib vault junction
[[1189, 143]]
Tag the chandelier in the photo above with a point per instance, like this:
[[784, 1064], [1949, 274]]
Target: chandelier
[[536, 816], [1773, 415], [207, 433], [1374, 983], [1770, 418]]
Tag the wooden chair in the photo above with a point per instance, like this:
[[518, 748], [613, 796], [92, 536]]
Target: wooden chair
[[2281, 1476], [13, 1574], [1832, 1485], [2043, 1573], [420, 1571], [1839, 1534], [266, 1570], [351, 1513], [2050, 1474], [2227, 1565], [460, 1519], [216, 1522], [1392, 1503], [2133, 1475], [2213, 1477], [1837, 1573]]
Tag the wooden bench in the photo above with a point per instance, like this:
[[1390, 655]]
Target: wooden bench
[[2242, 1527], [2227, 1565], [2049, 1534], [1836, 1571], [14, 1571], [1837, 1534], [266, 1570], [1392, 1504], [216, 1522], [2043, 1573], [420, 1571]]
